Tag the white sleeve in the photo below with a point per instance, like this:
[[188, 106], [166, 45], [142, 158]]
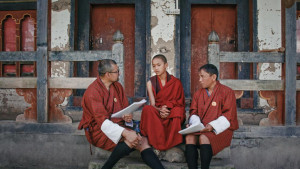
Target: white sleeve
[[220, 124], [194, 119], [112, 130]]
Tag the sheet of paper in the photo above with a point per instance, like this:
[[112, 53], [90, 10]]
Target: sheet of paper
[[130, 109], [192, 129]]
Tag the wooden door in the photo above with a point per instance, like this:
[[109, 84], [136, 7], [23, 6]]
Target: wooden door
[[105, 21], [204, 20]]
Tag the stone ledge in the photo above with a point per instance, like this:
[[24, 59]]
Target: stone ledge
[[127, 163], [173, 155]]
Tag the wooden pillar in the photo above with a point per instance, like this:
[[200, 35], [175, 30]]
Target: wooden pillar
[[118, 54], [291, 64], [42, 62], [214, 49]]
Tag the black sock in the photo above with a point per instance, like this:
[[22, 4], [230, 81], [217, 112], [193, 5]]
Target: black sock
[[205, 155], [151, 159], [191, 156], [121, 150]]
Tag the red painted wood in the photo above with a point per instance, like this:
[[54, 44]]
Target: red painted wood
[[28, 31], [105, 21], [9, 32], [204, 19]]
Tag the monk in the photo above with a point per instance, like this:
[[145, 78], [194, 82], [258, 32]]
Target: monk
[[162, 119], [104, 97], [214, 106]]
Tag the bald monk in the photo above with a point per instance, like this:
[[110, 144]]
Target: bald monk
[[215, 107], [162, 119], [104, 97]]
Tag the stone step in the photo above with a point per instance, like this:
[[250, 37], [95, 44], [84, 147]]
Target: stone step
[[129, 163], [175, 154]]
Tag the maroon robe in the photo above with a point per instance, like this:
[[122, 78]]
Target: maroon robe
[[98, 105], [163, 133], [221, 102]]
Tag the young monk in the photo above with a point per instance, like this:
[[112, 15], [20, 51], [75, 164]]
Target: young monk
[[162, 119], [215, 107], [104, 97]]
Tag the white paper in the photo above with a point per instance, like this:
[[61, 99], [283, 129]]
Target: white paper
[[130, 109], [192, 129]]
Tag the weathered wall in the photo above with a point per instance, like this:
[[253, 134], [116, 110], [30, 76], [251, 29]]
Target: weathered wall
[[163, 31], [11, 104], [269, 37], [60, 36]]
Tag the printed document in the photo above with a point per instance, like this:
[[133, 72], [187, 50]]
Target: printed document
[[192, 129], [130, 109]]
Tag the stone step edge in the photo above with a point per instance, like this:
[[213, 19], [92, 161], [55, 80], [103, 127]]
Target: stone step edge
[[134, 164]]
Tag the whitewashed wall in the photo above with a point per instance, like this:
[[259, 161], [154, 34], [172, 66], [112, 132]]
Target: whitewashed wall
[[60, 36], [163, 31], [269, 37]]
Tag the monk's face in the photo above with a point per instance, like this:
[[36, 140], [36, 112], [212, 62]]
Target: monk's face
[[206, 80], [159, 67], [114, 74]]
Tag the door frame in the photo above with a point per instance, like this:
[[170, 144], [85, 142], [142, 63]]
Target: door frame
[[185, 36], [142, 38]]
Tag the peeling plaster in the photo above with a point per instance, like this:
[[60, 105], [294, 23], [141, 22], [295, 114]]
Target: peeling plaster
[[165, 24], [59, 5], [269, 37], [163, 32], [60, 22], [269, 24]]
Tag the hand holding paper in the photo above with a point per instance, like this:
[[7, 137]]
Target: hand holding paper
[[134, 106], [192, 128]]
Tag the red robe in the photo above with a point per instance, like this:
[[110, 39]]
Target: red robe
[[222, 102], [163, 133], [98, 105]]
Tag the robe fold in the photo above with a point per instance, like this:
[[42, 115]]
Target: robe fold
[[99, 104], [221, 102], [163, 133]]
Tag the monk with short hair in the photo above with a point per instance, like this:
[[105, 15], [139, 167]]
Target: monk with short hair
[[104, 97], [215, 107], [162, 119]]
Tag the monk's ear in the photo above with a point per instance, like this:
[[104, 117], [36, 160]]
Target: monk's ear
[[214, 76], [166, 65]]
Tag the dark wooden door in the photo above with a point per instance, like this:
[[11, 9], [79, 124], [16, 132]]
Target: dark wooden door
[[105, 21], [205, 19]]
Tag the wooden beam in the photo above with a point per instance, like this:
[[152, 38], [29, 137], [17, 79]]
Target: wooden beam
[[112, 1], [14, 83], [42, 61], [291, 66], [70, 83], [252, 57], [185, 47], [228, 2], [18, 56], [254, 85], [140, 49], [298, 85], [79, 55]]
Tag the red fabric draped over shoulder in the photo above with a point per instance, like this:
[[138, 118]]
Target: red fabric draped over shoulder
[[99, 104], [222, 102], [163, 133]]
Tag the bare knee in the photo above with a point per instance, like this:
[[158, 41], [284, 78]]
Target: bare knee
[[203, 139], [143, 144], [190, 139]]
